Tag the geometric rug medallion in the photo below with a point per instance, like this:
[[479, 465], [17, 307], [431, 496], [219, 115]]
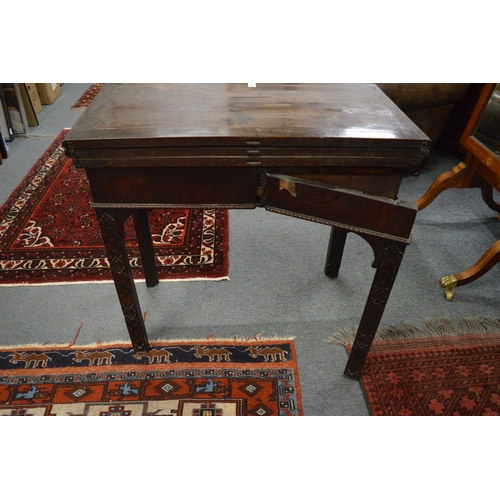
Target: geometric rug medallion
[[186, 378], [49, 233]]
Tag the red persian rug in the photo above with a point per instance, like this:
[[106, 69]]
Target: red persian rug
[[449, 368], [49, 232], [88, 96], [189, 378]]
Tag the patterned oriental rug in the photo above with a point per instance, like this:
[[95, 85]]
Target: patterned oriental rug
[[449, 368], [88, 96], [49, 233], [186, 378]]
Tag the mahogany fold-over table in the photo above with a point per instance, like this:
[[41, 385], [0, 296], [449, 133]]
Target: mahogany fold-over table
[[328, 153]]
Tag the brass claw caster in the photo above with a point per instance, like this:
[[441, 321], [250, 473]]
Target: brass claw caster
[[449, 284]]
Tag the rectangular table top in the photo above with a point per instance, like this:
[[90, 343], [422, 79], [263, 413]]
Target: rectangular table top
[[229, 115]]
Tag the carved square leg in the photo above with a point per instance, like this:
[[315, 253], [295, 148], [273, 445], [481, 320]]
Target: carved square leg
[[111, 222]]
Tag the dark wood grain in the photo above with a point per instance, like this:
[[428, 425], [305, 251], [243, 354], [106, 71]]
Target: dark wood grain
[[148, 115]]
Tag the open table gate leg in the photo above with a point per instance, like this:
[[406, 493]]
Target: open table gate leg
[[384, 223]]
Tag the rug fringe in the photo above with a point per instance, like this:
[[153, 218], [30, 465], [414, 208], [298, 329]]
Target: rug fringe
[[110, 282], [126, 343], [437, 327]]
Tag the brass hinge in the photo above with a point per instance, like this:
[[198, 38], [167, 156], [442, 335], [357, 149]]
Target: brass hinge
[[261, 190]]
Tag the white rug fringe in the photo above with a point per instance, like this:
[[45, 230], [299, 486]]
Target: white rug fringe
[[109, 282], [153, 343], [472, 325]]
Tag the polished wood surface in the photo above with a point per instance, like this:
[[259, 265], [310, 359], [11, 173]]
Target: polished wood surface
[[329, 153], [200, 115]]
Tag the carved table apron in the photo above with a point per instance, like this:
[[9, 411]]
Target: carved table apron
[[329, 153]]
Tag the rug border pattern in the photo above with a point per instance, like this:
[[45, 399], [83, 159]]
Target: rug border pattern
[[151, 369]]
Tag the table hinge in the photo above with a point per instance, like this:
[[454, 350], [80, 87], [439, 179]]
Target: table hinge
[[261, 190]]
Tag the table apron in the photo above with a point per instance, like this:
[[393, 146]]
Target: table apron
[[248, 161], [175, 187], [222, 186]]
